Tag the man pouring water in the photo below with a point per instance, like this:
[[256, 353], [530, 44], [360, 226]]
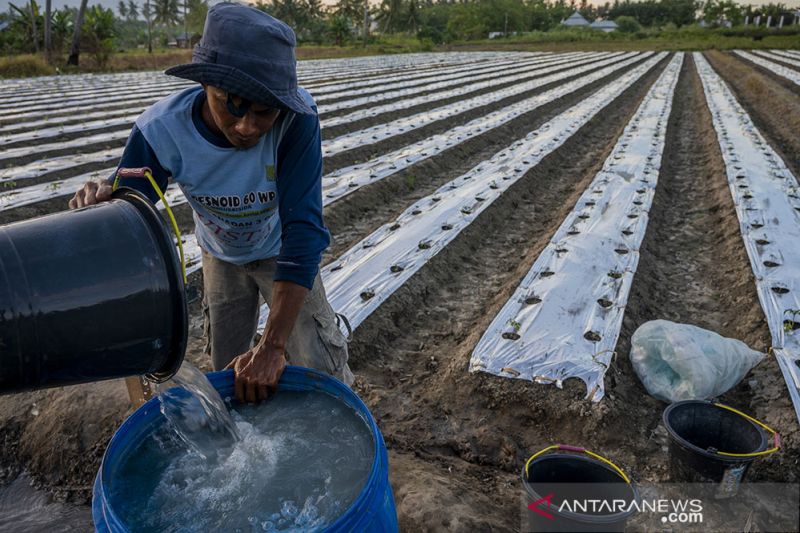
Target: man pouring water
[[244, 147]]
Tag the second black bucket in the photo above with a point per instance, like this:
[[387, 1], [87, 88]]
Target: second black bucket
[[90, 294], [710, 442], [560, 486]]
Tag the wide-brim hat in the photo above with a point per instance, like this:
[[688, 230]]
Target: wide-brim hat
[[248, 53]]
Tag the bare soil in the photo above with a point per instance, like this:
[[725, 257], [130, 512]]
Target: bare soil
[[457, 441]]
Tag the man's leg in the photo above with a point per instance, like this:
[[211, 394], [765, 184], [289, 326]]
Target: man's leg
[[230, 309], [316, 341]]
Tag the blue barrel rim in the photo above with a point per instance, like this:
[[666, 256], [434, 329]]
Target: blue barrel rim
[[180, 322], [683, 443], [224, 379]]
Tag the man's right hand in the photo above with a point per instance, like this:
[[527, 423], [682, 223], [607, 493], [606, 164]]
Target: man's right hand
[[91, 193]]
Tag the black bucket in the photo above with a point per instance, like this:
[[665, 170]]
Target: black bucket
[[90, 294], [698, 431], [566, 479]]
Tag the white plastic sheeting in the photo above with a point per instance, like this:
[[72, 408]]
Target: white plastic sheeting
[[793, 54], [452, 72], [367, 274], [116, 117], [780, 70], [381, 167], [53, 189], [97, 138], [136, 106], [127, 117], [54, 164], [767, 200], [88, 100], [438, 79], [384, 131], [523, 71], [55, 131], [563, 321], [344, 181], [163, 84], [785, 58], [64, 114]]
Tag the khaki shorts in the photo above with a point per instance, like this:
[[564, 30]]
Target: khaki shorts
[[230, 309]]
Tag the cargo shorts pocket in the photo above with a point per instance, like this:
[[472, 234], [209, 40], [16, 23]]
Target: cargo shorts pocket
[[333, 345]]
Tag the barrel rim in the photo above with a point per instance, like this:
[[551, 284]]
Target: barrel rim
[[292, 375], [577, 517], [680, 441], [180, 320]]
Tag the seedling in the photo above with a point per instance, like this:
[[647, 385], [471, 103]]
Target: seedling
[[367, 294], [791, 323], [514, 334]]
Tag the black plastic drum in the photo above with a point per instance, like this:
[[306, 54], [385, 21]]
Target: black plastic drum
[[90, 294]]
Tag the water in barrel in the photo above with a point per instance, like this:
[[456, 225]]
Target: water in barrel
[[293, 463]]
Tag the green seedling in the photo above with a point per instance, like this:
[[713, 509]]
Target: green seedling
[[9, 184], [791, 323]]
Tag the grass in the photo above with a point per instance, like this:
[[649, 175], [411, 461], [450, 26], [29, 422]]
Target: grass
[[24, 66], [684, 39]]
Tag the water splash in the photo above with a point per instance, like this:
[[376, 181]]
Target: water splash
[[197, 413]]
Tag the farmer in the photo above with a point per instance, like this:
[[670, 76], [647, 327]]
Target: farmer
[[244, 147]]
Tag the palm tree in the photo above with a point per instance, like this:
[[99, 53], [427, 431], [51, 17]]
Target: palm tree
[[74, 53], [48, 29], [34, 15], [133, 10], [122, 7], [148, 14], [166, 12]]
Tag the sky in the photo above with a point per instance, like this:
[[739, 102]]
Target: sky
[[57, 4]]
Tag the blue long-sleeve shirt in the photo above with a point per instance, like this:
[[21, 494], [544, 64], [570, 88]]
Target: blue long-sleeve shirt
[[251, 204]]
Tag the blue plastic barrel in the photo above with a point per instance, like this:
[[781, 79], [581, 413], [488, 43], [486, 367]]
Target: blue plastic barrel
[[373, 509]]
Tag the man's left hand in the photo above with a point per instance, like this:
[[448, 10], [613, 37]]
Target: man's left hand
[[257, 373]]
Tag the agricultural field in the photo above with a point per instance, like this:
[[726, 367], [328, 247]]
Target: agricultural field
[[501, 222]]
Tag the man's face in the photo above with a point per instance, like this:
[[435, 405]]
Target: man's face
[[242, 132]]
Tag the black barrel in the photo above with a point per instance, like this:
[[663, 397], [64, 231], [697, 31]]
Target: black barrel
[[560, 477], [90, 294], [698, 431]]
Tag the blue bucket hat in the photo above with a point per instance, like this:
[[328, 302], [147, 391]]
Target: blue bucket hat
[[248, 53]]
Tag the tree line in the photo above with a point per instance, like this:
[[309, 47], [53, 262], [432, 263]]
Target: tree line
[[148, 23]]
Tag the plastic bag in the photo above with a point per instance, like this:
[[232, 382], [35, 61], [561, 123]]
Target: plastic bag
[[683, 362]]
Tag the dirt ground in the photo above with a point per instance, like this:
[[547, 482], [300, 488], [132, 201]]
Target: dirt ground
[[457, 441]]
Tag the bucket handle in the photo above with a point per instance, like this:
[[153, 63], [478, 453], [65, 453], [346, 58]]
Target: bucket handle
[[145, 172], [775, 435], [577, 449]]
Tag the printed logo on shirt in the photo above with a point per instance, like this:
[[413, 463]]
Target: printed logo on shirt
[[270, 172], [249, 204]]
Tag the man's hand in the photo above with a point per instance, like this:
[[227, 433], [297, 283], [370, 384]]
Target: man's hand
[[257, 373], [91, 193]]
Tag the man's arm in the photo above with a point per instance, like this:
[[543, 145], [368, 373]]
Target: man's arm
[[138, 153], [303, 239]]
